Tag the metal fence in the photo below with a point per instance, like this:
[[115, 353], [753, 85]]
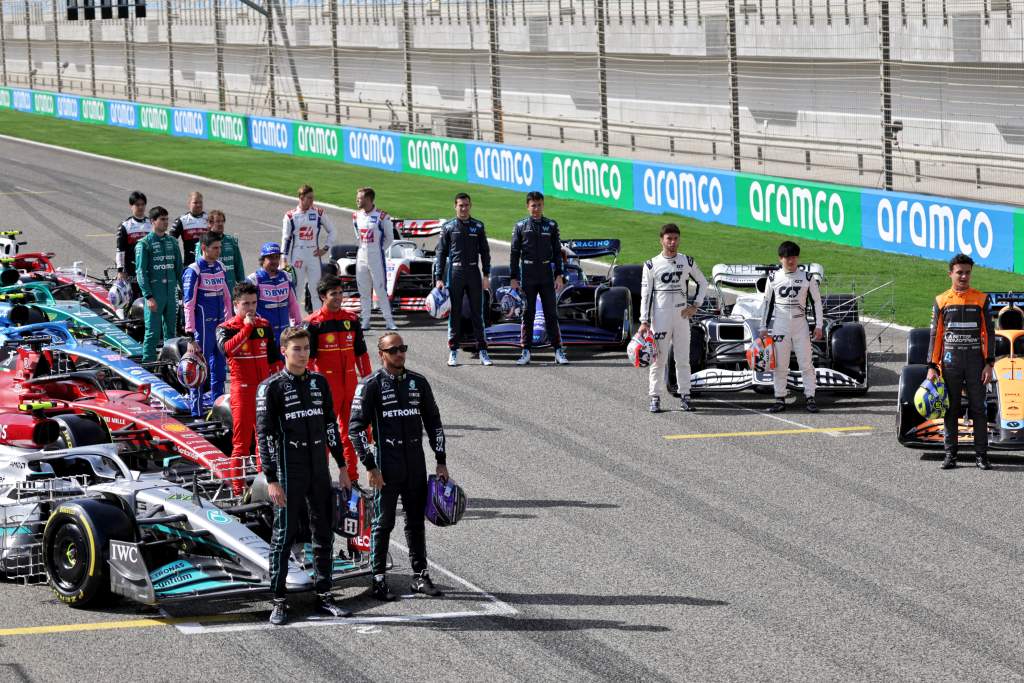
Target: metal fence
[[922, 95]]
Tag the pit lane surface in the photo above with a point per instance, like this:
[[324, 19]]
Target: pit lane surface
[[594, 547]]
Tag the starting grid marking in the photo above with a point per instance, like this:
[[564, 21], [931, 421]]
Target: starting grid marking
[[490, 606], [773, 432]]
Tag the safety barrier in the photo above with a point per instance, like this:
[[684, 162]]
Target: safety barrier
[[918, 225]]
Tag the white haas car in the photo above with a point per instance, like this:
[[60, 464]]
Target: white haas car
[[81, 518], [410, 265], [722, 332]]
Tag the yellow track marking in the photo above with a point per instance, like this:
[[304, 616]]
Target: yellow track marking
[[122, 624], [770, 432]]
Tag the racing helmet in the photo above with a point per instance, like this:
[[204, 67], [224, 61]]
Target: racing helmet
[[192, 371], [438, 303], [931, 399], [761, 354], [120, 294], [642, 350], [446, 501], [349, 510], [511, 302]]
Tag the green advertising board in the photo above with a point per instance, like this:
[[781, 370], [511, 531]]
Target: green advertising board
[[93, 110], [314, 140], [154, 119], [230, 129], [597, 180], [436, 157], [5, 98], [44, 103], [799, 209], [1018, 241]]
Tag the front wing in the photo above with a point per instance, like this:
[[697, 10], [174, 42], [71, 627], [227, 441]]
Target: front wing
[[718, 379], [572, 333], [931, 434]]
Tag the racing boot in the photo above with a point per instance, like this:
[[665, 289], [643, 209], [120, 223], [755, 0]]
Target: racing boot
[[949, 462], [811, 406], [422, 584], [981, 460], [328, 607], [560, 357], [390, 326], [655, 404], [524, 358], [485, 358], [453, 358], [279, 614], [686, 404], [778, 407], [380, 589]]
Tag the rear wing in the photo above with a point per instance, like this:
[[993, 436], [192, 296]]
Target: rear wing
[[748, 275], [418, 227], [593, 248]]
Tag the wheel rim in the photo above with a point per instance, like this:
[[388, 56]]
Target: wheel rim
[[70, 558]]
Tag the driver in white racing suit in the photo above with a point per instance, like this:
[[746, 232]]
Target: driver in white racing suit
[[666, 313], [375, 233], [306, 235], [785, 316]]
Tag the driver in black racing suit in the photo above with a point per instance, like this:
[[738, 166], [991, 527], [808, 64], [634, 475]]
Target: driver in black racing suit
[[295, 427], [398, 404]]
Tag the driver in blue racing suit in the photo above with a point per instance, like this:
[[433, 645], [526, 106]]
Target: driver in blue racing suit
[[207, 302]]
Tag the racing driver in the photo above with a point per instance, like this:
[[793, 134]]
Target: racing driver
[[277, 300], [666, 312], [230, 254], [301, 238], [129, 232], [158, 270], [191, 226], [399, 404], [207, 303], [295, 426], [961, 346], [374, 232], [252, 352], [338, 351], [785, 315]]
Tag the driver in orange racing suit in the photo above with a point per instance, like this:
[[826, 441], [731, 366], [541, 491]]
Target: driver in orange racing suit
[[337, 350]]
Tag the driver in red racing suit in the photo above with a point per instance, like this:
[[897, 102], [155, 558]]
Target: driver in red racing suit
[[337, 350], [248, 343]]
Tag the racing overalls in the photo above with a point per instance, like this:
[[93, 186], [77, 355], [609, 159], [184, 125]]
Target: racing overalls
[[375, 233], [535, 260], [461, 245], [785, 316], [663, 296], [398, 407], [129, 232], [300, 238], [337, 350], [252, 354], [158, 271], [207, 303], [277, 301], [190, 229], [961, 343], [230, 256], [295, 425]]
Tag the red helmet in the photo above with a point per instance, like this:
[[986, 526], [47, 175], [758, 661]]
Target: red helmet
[[642, 350], [761, 354], [192, 370]]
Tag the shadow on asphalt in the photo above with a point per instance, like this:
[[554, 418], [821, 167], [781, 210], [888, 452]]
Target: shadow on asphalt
[[501, 623], [578, 599], [470, 428], [489, 508]]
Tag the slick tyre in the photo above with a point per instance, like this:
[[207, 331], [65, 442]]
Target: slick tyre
[[615, 311], [917, 346], [170, 353], [76, 542], [907, 416], [80, 430]]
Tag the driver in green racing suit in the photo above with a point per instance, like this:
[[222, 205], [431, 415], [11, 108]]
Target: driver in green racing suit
[[158, 269]]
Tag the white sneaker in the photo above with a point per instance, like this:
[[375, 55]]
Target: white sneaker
[[390, 326], [560, 357], [453, 358], [366, 326], [485, 358], [524, 358]]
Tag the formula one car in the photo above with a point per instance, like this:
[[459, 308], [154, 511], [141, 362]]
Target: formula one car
[[38, 304], [721, 333], [1004, 399], [593, 310], [45, 379], [409, 264], [93, 527]]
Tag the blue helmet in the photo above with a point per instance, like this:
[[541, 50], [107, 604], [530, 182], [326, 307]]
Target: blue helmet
[[446, 501], [270, 249], [511, 302], [438, 303]]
